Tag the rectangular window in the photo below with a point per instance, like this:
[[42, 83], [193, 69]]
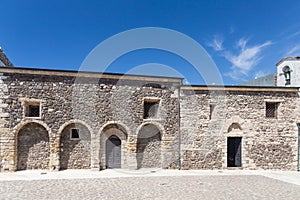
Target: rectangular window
[[271, 109], [32, 109], [150, 109], [74, 134], [211, 110]]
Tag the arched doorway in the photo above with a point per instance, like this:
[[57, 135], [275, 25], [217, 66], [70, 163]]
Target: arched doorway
[[113, 152], [234, 152], [113, 146], [75, 147], [149, 147], [33, 149], [234, 145]]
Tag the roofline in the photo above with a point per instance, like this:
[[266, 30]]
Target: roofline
[[288, 58], [239, 88], [5, 59], [86, 74]]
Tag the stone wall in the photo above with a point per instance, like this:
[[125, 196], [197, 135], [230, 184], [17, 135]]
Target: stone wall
[[267, 143], [33, 147], [94, 102], [6, 139], [103, 107], [75, 153], [149, 147]]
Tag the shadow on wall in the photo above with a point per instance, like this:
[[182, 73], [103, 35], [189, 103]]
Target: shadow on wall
[[33, 147], [75, 147], [149, 147]]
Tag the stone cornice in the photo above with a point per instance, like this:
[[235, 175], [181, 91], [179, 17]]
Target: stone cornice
[[82, 74], [240, 89]]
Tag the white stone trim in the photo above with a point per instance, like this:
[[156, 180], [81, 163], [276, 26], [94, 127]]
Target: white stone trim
[[243, 133], [123, 137], [127, 130], [74, 121], [31, 101], [274, 100], [18, 127]]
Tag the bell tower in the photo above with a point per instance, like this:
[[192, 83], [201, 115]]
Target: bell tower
[[288, 72]]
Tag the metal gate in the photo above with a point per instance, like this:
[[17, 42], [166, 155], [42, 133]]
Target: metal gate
[[113, 152], [234, 153]]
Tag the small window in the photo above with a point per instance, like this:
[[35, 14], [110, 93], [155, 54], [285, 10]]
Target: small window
[[211, 110], [75, 134], [287, 75], [271, 109], [32, 110], [150, 109]]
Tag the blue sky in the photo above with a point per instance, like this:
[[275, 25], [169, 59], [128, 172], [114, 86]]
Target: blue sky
[[244, 38]]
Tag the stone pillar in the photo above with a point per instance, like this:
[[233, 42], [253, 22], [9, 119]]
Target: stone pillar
[[169, 152], [7, 137], [7, 150], [131, 153], [54, 154], [95, 148]]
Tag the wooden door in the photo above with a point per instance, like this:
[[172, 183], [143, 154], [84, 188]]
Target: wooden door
[[113, 152]]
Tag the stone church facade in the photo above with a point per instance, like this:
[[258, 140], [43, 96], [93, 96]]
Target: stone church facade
[[54, 119]]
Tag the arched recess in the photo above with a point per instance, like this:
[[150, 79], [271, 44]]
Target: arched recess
[[149, 147], [114, 135], [75, 145], [32, 143]]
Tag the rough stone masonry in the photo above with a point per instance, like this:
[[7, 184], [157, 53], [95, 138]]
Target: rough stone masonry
[[54, 120]]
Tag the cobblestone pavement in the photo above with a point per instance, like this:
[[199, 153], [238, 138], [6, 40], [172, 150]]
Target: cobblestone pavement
[[157, 187]]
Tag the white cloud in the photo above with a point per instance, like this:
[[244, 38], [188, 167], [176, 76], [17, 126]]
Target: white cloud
[[295, 49], [242, 43], [294, 34], [216, 43], [246, 59]]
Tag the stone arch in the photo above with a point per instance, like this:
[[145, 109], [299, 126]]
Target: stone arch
[[32, 145], [23, 123], [108, 130], [148, 149], [74, 121], [158, 126], [75, 152], [236, 123], [234, 127], [117, 124]]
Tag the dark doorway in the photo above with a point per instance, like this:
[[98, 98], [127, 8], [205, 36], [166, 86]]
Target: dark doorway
[[113, 152], [234, 153]]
